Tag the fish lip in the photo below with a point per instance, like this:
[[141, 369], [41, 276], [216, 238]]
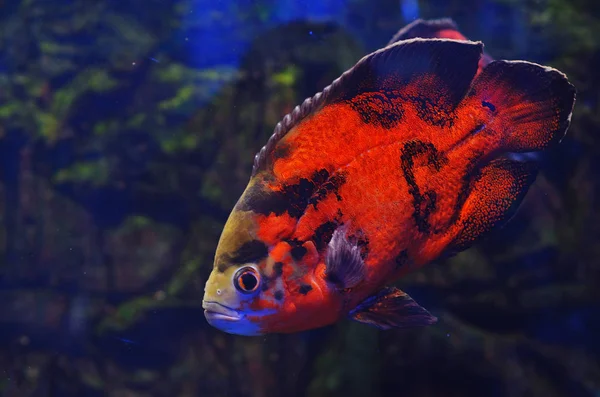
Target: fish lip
[[217, 311]]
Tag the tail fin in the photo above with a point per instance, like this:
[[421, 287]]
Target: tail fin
[[531, 105]]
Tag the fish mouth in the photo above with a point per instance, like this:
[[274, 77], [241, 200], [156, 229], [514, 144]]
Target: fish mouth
[[217, 311]]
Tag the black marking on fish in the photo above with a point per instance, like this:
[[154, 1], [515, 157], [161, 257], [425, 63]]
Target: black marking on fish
[[488, 105], [305, 289], [263, 201], [278, 295], [276, 272], [292, 198], [378, 108], [323, 234], [281, 151], [430, 110], [250, 252], [401, 259], [278, 269], [428, 204], [424, 203], [266, 283], [298, 252], [331, 185]]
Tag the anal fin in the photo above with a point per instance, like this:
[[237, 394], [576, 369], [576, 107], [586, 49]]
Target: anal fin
[[392, 308]]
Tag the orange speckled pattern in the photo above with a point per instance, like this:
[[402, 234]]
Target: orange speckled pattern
[[334, 129], [409, 158], [273, 228]]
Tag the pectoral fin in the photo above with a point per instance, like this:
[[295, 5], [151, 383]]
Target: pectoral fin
[[345, 267], [392, 308]]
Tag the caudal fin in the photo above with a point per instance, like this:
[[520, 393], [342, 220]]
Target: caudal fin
[[530, 104]]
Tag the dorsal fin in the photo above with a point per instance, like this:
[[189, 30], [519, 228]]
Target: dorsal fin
[[425, 29], [451, 62]]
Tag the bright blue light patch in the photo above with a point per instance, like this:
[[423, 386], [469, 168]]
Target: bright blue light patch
[[215, 43], [409, 9]]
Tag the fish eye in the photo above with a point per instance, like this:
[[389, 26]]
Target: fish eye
[[246, 280]]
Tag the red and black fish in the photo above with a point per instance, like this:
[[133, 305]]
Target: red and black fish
[[403, 159]]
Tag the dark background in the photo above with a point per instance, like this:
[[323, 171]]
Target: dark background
[[127, 133]]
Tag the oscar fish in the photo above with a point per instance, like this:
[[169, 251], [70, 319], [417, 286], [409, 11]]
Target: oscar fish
[[406, 158]]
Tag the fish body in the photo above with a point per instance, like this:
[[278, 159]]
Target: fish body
[[402, 160]]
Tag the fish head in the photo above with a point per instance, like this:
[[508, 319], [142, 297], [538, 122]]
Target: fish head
[[231, 296], [236, 284], [261, 284]]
